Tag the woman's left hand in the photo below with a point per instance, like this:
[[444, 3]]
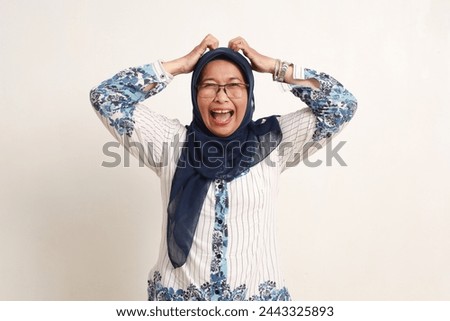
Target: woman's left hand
[[260, 63]]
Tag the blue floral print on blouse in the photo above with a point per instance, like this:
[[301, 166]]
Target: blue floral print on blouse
[[332, 104], [116, 98], [220, 242], [268, 291]]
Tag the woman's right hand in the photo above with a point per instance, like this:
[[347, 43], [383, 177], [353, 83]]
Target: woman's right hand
[[186, 64]]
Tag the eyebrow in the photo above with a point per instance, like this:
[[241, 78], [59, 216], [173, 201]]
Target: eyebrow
[[229, 79]]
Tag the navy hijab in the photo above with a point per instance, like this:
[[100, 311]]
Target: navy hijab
[[206, 157]]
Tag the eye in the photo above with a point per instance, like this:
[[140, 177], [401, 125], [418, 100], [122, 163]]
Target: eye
[[209, 85]]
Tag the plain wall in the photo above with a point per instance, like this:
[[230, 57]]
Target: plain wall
[[376, 229]]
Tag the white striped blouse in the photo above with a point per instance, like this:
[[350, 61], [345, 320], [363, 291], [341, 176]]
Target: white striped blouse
[[234, 253]]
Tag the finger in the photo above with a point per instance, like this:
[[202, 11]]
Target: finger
[[235, 40], [210, 42], [237, 44], [213, 44]]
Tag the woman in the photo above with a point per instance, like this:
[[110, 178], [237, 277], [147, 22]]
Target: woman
[[219, 181]]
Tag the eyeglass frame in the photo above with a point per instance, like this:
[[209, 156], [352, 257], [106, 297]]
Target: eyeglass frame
[[224, 86]]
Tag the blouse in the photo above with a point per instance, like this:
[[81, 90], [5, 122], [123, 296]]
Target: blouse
[[234, 253]]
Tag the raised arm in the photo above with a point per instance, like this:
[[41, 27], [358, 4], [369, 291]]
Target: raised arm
[[330, 105], [140, 130], [116, 98]]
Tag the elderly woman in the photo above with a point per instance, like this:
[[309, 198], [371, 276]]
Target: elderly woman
[[219, 181]]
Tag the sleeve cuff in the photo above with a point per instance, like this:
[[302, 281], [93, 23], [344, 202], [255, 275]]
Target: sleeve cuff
[[161, 74], [298, 73]]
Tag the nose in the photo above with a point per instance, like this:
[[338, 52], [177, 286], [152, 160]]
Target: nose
[[221, 94]]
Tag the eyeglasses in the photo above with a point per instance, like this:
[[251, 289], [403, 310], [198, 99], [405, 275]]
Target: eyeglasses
[[210, 90]]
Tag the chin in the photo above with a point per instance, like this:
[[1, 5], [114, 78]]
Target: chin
[[222, 133]]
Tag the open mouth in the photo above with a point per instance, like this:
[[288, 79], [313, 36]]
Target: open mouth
[[221, 116]]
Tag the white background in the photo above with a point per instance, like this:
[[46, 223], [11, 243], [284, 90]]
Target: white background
[[377, 229]]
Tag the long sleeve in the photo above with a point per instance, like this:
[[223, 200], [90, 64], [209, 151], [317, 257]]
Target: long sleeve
[[116, 98], [144, 133], [329, 109]]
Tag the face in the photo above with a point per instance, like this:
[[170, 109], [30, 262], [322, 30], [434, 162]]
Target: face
[[221, 114]]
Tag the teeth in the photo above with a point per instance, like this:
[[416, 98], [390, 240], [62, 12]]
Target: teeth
[[221, 115], [221, 111]]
